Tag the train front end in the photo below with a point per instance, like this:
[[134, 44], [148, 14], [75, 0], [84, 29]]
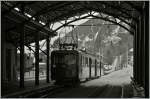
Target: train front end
[[64, 67]]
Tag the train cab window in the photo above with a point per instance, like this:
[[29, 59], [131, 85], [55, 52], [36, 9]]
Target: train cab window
[[70, 59], [65, 59], [57, 60]]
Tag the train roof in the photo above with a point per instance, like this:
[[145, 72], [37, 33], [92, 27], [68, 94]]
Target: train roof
[[75, 52], [65, 51]]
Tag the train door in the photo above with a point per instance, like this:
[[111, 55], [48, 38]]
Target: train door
[[90, 63], [101, 68], [86, 60], [71, 61], [58, 71]]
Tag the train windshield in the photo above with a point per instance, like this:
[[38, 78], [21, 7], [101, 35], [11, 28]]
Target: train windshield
[[66, 64], [65, 59]]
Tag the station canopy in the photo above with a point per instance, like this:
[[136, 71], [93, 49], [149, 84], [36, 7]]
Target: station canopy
[[37, 16]]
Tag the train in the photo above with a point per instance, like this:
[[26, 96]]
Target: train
[[73, 66]]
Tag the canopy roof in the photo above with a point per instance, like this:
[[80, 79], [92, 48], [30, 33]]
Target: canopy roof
[[43, 13]]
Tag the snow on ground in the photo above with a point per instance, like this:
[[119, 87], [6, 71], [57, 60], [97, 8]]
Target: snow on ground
[[116, 78]]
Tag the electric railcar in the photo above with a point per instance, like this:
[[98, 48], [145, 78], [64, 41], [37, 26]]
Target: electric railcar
[[72, 66]]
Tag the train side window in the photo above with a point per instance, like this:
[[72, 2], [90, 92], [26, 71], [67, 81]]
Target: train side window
[[54, 59], [92, 62], [87, 62], [83, 60]]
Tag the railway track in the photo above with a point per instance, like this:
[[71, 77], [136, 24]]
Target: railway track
[[36, 93], [53, 92], [98, 91], [106, 91]]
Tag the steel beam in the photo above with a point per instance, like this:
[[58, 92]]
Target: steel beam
[[139, 36], [146, 50], [90, 25], [30, 48], [119, 9], [69, 23], [22, 57], [133, 6], [9, 9], [114, 23], [47, 69], [123, 20], [142, 52], [115, 16], [40, 50], [135, 55], [37, 58], [42, 11]]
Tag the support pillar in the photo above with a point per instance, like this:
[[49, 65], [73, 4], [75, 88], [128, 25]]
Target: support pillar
[[139, 36], [146, 50], [95, 67], [37, 58], [90, 63], [22, 56], [135, 55], [47, 70], [100, 68], [142, 48]]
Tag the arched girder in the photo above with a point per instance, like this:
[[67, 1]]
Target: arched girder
[[79, 18], [133, 6], [16, 5], [106, 19], [71, 12], [51, 21], [111, 14], [95, 17], [8, 10], [119, 9], [71, 22]]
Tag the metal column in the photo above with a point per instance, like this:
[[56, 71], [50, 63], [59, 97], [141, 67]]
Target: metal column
[[95, 67], [22, 56], [48, 48], [139, 36], [135, 58], [142, 49], [100, 67], [146, 50], [37, 58]]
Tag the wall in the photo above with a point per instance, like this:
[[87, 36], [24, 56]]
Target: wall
[[5, 61]]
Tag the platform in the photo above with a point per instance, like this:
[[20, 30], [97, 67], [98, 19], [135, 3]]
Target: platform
[[12, 89]]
